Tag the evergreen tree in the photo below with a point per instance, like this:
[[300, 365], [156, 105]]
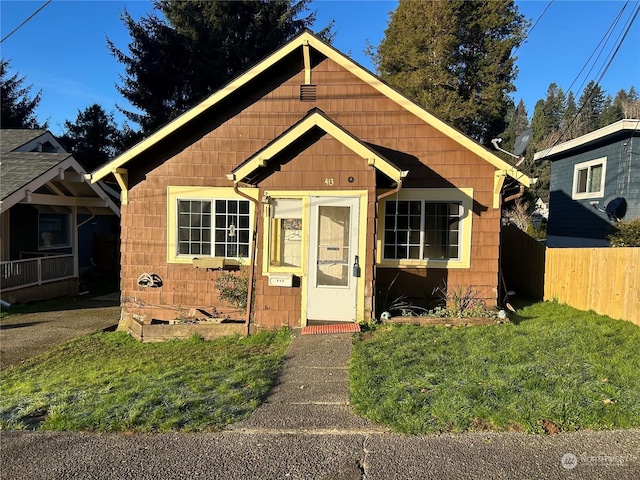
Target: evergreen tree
[[569, 126], [611, 111], [454, 58], [517, 122], [630, 103], [590, 108], [197, 46], [547, 117], [93, 139], [18, 108]]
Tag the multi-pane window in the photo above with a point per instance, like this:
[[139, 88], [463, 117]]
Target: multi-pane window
[[588, 179], [218, 227], [422, 230]]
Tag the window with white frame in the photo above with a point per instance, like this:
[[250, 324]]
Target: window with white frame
[[588, 179], [54, 230], [213, 227], [208, 221], [422, 230]]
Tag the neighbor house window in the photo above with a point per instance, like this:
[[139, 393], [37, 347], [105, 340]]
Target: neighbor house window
[[588, 179], [426, 227], [420, 229], [213, 222], [54, 231], [286, 233]]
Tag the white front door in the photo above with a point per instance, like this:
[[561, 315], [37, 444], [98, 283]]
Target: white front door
[[333, 246]]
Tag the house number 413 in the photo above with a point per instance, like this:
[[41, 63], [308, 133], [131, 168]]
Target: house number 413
[[328, 181]]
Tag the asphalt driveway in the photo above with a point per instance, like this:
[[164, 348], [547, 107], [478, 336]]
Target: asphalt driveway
[[27, 335]]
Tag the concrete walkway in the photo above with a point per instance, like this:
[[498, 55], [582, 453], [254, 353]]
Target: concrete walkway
[[312, 394]]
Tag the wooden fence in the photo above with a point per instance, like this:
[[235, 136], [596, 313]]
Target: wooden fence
[[522, 260], [605, 280]]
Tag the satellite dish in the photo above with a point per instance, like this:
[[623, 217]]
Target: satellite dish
[[615, 207], [522, 141], [519, 147]]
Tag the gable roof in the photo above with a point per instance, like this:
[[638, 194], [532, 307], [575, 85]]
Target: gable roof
[[306, 38], [599, 135], [27, 140], [316, 118], [24, 171]]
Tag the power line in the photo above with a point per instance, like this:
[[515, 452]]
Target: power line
[[603, 41], [25, 21], [604, 70], [534, 25]]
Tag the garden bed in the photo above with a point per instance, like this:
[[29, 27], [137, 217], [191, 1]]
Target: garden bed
[[163, 331]]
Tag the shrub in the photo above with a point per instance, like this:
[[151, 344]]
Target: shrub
[[234, 288], [461, 302], [626, 234]]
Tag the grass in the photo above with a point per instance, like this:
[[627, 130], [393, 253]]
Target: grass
[[109, 382], [553, 367]]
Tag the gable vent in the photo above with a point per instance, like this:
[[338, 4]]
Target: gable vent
[[308, 93]]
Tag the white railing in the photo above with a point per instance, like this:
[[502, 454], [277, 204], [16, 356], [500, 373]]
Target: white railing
[[35, 271]]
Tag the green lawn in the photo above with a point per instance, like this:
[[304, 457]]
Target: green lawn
[[553, 366], [110, 382]]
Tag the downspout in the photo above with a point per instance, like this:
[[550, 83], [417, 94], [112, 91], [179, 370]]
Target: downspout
[[515, 195], [503, 301], [391, 192], [253, 252], [375, 242], [86, 221]]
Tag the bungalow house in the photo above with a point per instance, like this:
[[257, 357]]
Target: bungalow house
[[50, 214], [328, 184], [595, 182]]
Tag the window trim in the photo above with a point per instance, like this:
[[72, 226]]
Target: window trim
[[175, 193], [267, 234], [575, 195], [464, 196]]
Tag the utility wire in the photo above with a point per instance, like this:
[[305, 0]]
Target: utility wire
[[604, 71], [533, 26], [603, 41], [25, 21]]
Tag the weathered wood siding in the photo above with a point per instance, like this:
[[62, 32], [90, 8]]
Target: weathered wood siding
[[523, 263], [248, 120]]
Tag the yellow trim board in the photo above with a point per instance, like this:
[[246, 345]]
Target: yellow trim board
[[204, 193], [462, 195], [316, 119], [307, 38]]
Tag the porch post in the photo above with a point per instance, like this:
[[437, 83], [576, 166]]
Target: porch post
[[74, 237]]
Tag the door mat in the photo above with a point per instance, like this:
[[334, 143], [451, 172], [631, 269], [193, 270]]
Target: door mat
[[331, 328]]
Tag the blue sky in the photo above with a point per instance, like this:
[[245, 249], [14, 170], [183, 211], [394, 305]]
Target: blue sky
[[62, 50]]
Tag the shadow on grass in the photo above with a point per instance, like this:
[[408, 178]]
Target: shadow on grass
[[519, 303]]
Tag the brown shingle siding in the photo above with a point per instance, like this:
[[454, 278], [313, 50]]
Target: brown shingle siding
[[366, 114]]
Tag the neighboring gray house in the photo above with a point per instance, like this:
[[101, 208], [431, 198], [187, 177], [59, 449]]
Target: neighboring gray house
[[595, 182], [49, 216]]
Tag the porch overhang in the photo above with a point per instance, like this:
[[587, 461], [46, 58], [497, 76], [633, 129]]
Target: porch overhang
[[315, 119], [61, 186]]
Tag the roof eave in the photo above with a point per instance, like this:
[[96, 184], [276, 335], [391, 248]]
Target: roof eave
[[306, 37]]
